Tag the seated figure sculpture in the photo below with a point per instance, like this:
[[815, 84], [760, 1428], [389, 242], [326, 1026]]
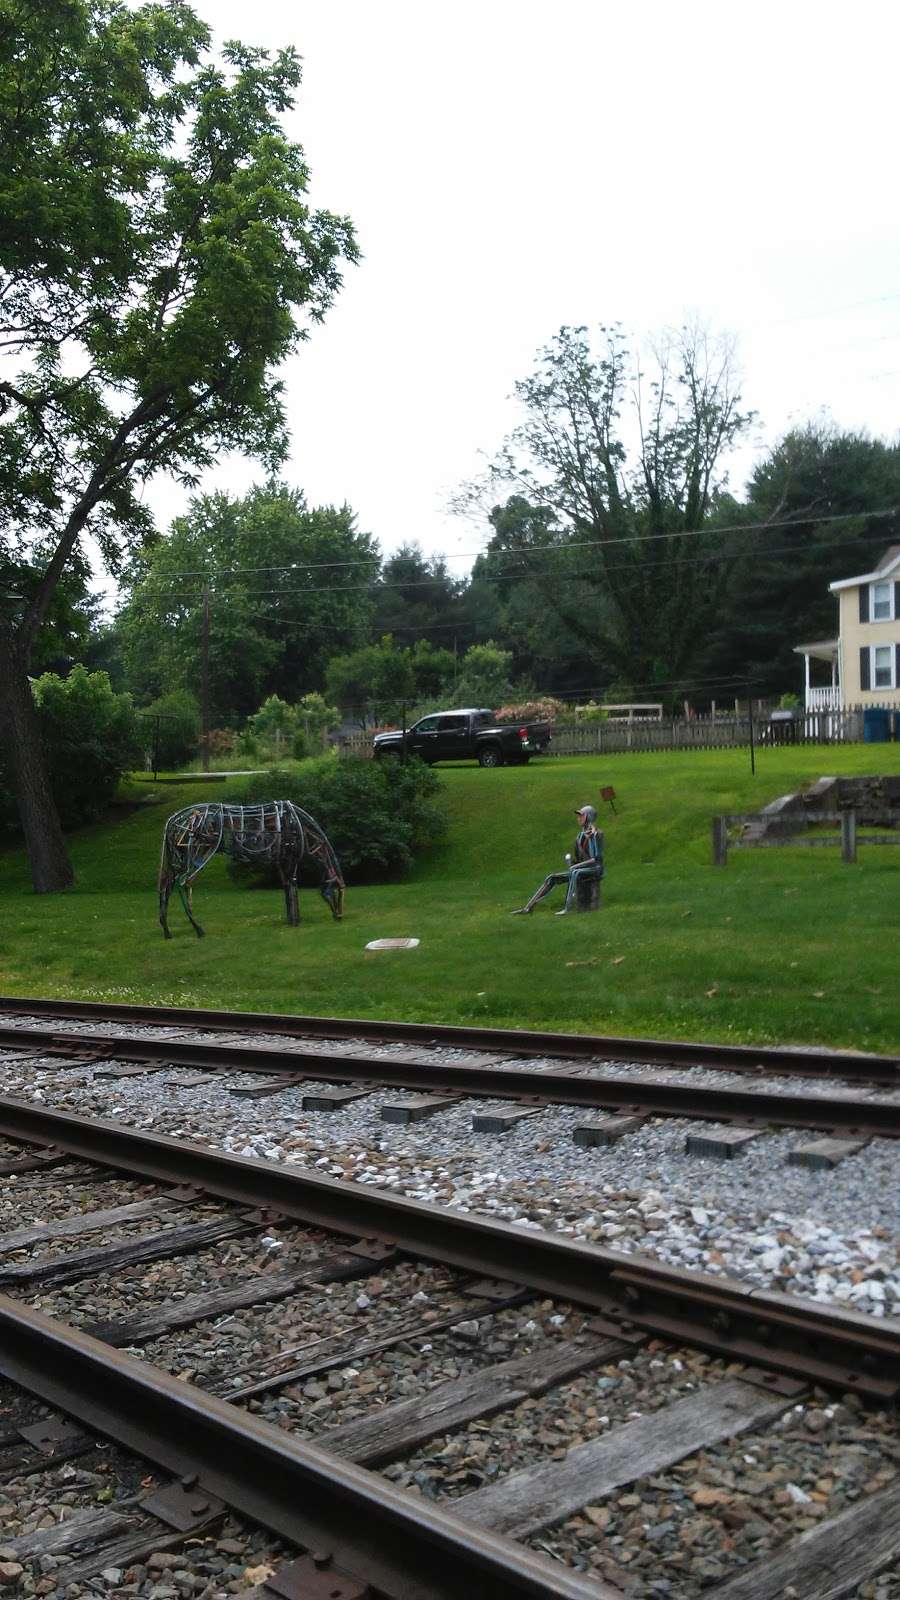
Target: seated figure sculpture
[[585, 869]]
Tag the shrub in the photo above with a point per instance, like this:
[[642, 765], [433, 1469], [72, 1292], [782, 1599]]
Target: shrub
[[591, 712], [544, 710], [315, 720], [316, 717], [274, 716], [378, 815], [90, 738], [221, 742], [246, 748], [172, 739]]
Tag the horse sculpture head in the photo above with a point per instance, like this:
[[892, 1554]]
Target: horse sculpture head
[[332, 891]]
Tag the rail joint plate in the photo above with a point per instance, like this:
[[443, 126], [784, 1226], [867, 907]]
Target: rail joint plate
[[314, 1578], [51, 1435], [183, 1506]]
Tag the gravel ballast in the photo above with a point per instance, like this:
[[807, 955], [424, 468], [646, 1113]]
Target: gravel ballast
[[833, 1236]]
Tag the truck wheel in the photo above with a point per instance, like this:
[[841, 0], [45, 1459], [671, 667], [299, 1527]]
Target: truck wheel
[[490, 756]]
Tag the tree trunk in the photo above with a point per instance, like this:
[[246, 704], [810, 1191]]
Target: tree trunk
[[51, 869]]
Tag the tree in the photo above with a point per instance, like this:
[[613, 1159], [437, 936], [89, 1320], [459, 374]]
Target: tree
[[416, 598], [69, 622], [170, 729], [433, 671], [371, 682], [528, 555], [159, 260], [778, 595], [283, 584], [639, 571], [90, 739], [484, 679]]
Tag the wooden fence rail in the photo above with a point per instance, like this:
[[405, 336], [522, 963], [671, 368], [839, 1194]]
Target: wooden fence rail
[[848, 839], [704, 733]]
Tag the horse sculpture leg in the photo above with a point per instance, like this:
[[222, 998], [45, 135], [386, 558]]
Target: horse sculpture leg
[[166, 880], [184, 890], [165, 889], [291, 897]]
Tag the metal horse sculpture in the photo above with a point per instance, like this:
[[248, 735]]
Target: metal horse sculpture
[[276, 833]]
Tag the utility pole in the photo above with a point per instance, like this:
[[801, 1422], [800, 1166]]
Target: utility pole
[[204, 680], [752, 745]]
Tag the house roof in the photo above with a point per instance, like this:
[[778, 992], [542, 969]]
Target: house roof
[[822, 649], [889, 563]]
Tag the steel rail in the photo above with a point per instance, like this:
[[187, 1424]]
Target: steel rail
[[842, 1113], [404, 1547], [784, 1333], [662, 1052]]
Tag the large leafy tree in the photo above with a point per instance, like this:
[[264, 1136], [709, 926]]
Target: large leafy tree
[[821, 496], [529, 567], [372, 682], [159, 259], [70, 623], [629, 471], [284, 591], [416, 598]]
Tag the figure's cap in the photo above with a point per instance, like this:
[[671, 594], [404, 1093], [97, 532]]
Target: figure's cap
[[589, 812]]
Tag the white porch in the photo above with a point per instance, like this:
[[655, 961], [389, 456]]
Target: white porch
[[822, 697], [827, 699]]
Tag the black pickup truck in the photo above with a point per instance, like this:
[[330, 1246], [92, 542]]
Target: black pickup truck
[[467, 736]]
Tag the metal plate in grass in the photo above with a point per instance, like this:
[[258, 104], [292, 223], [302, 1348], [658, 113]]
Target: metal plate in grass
[[392, 944]]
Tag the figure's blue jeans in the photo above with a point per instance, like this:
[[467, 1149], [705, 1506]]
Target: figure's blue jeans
[[572, 876]]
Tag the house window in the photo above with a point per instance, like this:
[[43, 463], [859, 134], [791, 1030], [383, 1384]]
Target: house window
[[881, 602], [882, 676]]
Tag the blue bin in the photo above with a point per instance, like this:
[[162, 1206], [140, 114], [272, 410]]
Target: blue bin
[[876, 725]]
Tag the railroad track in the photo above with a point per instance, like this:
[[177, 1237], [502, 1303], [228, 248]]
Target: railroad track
[[330, 1283], [442, 1075], [847, 1066]]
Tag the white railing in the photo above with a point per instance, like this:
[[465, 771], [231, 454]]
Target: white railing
[[826, 699]]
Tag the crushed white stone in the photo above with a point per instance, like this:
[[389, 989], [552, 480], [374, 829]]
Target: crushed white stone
[[833, 1236]]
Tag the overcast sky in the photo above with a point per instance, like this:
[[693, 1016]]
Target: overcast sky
[[512, 165]]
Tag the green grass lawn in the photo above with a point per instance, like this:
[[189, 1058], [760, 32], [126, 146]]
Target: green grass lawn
[[784, 945]]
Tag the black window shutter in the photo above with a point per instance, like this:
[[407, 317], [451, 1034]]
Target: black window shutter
[[864, 604], [897, 663], [897, 605], [865, 679]]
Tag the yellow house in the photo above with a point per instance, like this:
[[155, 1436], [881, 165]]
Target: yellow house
[[865, 657]]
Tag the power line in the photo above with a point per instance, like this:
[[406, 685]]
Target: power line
[[511, 577], [726, 682], [834, 311], [537, 549]]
